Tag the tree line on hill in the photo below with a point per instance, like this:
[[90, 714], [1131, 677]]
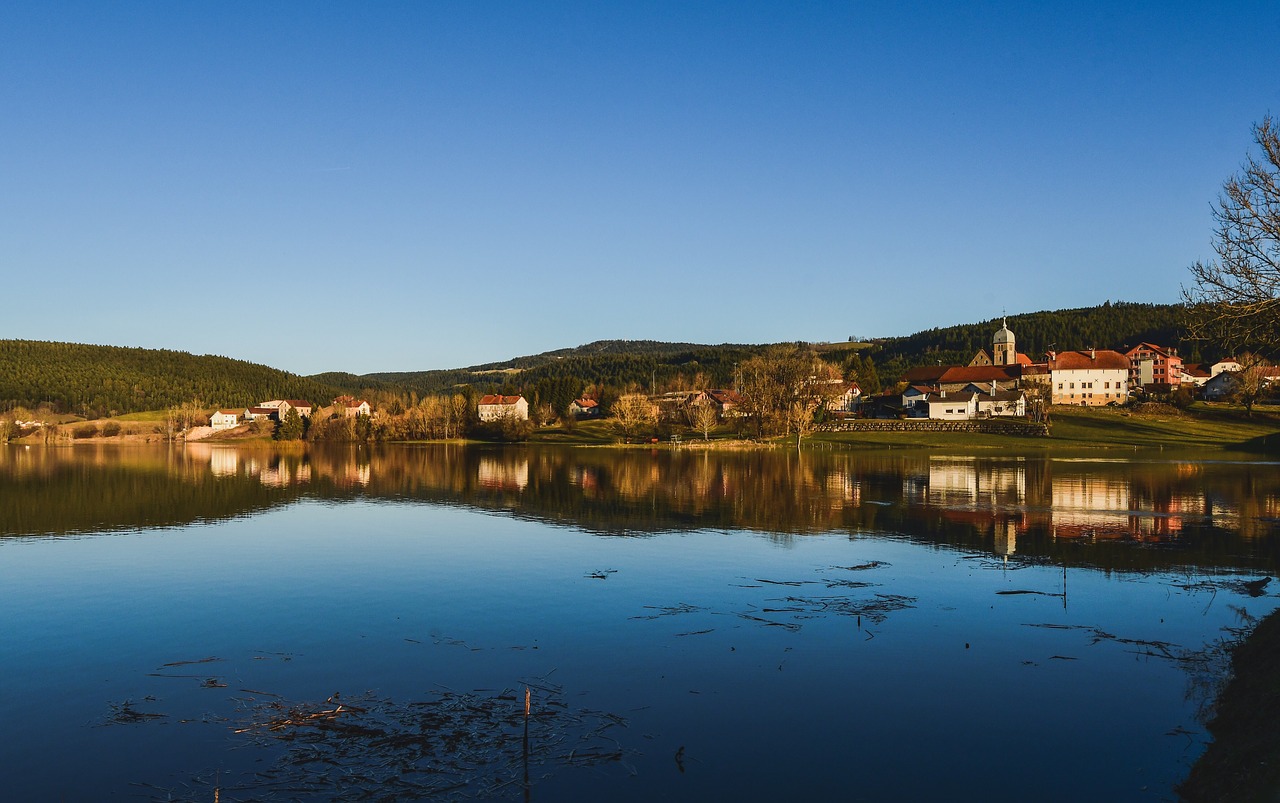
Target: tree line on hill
[[1113, 325], [99, 381]]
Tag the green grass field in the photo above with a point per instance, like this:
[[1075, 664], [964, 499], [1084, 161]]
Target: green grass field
[[1218, 428], [1215, 428], [151, 416]]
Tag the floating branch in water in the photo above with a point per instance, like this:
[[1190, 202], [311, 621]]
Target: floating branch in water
[[123, 713], [208, 660], [875, 609], [450, 744], [874, 564], [669, 610]]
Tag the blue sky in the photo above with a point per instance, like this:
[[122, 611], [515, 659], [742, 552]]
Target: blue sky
[[373, 187]]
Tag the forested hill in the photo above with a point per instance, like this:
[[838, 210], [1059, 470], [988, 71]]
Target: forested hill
[[109, 380], [1113, 325], [617, 363]]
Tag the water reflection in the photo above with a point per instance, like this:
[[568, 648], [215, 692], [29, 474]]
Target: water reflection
[[940, 578], [1114, 514]]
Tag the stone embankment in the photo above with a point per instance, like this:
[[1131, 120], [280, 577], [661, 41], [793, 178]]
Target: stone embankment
[[1026, 429]]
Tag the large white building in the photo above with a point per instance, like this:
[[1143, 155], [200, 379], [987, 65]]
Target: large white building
[[1090, 378], [495, 408], [225, 419]]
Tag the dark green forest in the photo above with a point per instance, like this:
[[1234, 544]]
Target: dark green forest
[[96, 381], [616, 363], [1113, 325]]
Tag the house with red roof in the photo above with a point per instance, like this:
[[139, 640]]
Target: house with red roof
[[1150, 364], [726, 400], [1091, 378], [354, 408], [584, 408], [497, 407]]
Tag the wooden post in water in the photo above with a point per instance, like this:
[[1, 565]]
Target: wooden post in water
[[526, 744]]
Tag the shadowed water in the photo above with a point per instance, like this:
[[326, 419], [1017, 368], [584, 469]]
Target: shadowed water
[[690, 625]]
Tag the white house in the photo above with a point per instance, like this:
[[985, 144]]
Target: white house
[[1011, 403], [494, 408], [953, 406], [915, 400], [303, 407], [354, 408], [847, 400], [1089, 378], [225, 419], [584, 408], [256, 413]]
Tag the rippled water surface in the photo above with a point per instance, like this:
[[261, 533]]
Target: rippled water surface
[[753, 626]]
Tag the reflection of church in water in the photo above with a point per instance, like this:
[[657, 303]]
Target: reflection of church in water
[[1013, 497]]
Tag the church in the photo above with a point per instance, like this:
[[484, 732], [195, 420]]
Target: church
[[1089, 378], [1004, 350]]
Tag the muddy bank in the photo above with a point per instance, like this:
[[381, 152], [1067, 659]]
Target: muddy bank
[[1243, 762]]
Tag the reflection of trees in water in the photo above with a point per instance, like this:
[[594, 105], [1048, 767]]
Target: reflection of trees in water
[[1123, 515], [61, 491]]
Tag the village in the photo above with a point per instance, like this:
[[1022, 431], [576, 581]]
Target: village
[[1000, 383]]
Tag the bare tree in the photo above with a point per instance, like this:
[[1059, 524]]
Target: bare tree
[[784, 388], [1249, 384], [703, 416], [1235, 299], [633, 411]]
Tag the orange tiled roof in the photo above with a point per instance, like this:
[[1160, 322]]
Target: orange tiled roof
[[961, 374], [1087, 360]]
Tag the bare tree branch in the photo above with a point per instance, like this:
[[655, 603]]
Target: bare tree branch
[[1235, 299]]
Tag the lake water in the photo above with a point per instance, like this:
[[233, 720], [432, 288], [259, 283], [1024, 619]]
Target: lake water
[[364, 624]]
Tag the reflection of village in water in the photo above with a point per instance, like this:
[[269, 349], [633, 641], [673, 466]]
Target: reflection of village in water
[[1002, 505], [999, 501]]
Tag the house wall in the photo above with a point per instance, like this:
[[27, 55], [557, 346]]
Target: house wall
[[1009, 408], [1090, 387], [951, 410], [494, 412]]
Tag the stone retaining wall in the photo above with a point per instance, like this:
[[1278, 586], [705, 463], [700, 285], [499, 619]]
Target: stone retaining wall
[[991, 426]]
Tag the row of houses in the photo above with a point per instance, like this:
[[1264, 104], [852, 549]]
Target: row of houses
[[277, 409], [1001, 381]]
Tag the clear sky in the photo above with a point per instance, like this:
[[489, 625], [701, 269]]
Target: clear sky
[[379, 186]]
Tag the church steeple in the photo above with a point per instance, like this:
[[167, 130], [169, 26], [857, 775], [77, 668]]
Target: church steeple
[[1004, 350]]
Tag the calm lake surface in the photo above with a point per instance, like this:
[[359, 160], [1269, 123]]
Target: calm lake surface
[[689, 625]]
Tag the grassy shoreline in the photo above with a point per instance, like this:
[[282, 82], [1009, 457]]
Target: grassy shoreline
[[1221, 430]]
